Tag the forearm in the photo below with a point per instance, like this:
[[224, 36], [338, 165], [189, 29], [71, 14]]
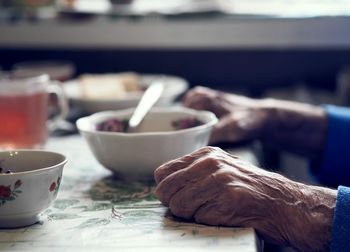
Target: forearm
[[295, 127], [313, 218], [299, 215]]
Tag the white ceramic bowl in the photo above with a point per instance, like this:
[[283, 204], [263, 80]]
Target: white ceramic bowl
[[174, 86], [137, 155], [31, 187]]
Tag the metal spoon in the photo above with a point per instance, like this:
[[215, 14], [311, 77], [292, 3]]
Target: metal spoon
[[148, 99]]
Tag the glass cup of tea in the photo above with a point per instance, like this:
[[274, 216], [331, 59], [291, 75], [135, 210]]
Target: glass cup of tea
[[24, 106]]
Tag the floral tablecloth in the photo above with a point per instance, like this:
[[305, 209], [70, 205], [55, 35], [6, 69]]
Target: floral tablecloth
[[96, 212]]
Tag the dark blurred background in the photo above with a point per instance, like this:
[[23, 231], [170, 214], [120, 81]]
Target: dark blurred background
[[238, 45]]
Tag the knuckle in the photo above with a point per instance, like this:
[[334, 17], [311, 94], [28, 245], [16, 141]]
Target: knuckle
[[199, 152], [187, 158], [222, 177], [199, 89], [214, 149], [158, 174], [165, 169], [208, 149], [210, 162], [204, 149]]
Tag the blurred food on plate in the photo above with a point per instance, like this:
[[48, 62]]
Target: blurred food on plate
[[107, 86], [97, 92]]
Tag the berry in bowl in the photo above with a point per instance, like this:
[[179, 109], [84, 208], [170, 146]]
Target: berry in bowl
[[116, 125], [29, 182], [163, 135]]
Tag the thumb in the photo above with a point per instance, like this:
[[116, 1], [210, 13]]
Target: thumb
[[225, 130], [238, 126]]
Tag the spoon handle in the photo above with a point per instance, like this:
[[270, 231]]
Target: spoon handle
[[149, 98]]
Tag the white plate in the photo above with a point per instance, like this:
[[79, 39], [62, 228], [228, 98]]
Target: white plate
[[174, 86]]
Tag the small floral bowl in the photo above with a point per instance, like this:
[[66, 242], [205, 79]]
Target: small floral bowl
[[29, 182]]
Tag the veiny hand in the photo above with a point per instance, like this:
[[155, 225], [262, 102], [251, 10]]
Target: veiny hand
[[240, 118], [213, 187], [284, 124]]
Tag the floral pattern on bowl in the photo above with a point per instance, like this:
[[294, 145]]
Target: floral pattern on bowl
[[8, 194], [25, 189], [55, 186]]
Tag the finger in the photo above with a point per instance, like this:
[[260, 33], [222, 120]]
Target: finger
[[225, 130], [177, 164], [186, 201], [187, 176], [198, 100], [202, 98], [198, 90], [224, 210], [235, 127], [172, 166], [210, 213]]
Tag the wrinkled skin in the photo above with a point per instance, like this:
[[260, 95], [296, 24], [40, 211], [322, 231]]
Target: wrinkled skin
[[241, 118], [213, 187], [279, 123]]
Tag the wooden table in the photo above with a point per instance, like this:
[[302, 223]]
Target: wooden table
[[96, 212]]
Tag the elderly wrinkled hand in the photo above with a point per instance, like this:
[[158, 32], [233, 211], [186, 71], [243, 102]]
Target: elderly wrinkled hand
[[280, 123], [241, 118], [213, 187]]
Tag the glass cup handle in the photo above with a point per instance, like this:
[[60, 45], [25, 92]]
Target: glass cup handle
[[55, 88]]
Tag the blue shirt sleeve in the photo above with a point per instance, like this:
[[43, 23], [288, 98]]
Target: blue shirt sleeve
[[341, 222], [335, 167]]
